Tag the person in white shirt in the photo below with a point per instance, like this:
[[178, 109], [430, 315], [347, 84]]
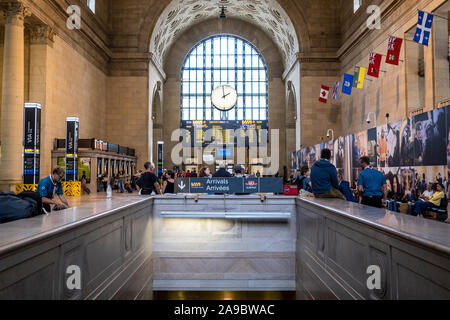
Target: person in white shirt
[[427, 193]]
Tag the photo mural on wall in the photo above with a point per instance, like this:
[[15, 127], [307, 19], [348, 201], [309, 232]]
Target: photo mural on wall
[[411, 153]]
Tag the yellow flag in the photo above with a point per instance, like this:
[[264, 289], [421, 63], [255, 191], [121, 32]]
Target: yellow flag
[[358, 78]]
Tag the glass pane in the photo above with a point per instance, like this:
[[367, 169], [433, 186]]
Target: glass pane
[[200, 49], [255, 75], [199, 102], [255, 87], [240, 47], [208, 62], [248, 49], [231, 48], [199, 61], [208, 75], [262, 115], [185, 115], [216, 62], [231, 76], [248, 61], [216, 114], [200, 87], [200, 114], [223, 61], [262, 75], [240, 114], [255, 61], [224, 76], [263, 87], [248, 114], [263, 102], [193, 74], [194, 52], [192, 61], [192, 114], [199, 75], [208, 114], [240, 87], [240, 75], [217, 75], [240, 102], [185, 88], [208, 87], [248, 87], [255, 114], [192, 87], [208, 47], [216, 46], [248, 102], [231, 61], [185, 75], [185, 102], [223, 44], [240, 61], [231, 115], [192, 102]]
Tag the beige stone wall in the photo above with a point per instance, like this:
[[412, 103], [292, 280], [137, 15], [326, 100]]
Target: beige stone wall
[[127, 114], [390, 92], [74, 88]]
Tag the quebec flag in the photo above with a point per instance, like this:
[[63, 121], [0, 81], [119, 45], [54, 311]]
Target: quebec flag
[[423, 30]]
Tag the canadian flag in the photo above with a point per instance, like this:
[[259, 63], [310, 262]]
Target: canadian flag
[[324, 92]]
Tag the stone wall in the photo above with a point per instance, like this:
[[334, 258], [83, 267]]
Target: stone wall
[[395, 91]]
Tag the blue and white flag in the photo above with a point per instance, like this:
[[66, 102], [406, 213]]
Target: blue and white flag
[[423, 30], [348, 84]]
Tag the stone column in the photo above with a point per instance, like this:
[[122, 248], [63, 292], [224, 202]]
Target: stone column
[[12, 96], [41, 39]]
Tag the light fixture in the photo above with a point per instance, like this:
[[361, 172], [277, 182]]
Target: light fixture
[[332, 134], [374, 118], [222, 13]]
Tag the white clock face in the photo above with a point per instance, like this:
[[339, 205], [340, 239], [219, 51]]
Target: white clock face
[[224, 97]]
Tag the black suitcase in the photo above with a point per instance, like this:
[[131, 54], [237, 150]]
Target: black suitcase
[[27, 195]]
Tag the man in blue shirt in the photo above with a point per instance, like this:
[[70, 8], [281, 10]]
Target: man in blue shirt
[[51, 186], [371, 185], [324, 178]]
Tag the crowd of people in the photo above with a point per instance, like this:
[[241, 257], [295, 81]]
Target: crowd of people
[[372, 187]]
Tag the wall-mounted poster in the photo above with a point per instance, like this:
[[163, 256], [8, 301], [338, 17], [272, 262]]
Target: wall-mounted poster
[[339, 153], [299, 159], [447, 112], [372, 146], [393, 145], [359, 147], [430, 138], [406, 143], [382, 149], [327, 145]]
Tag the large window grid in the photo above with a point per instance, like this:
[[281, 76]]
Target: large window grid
[[224, 60]]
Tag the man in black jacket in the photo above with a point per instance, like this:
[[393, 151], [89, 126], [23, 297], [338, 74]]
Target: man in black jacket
[[222, 172]]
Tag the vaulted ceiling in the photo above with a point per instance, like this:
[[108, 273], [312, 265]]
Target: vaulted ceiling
[[268, 15]]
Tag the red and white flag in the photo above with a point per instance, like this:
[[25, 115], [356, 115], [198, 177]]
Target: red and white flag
[[324, 92]]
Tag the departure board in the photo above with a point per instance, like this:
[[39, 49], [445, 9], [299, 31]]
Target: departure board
[[225, 132]]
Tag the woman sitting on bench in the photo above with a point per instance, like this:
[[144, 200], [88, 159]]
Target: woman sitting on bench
[[430, 202]]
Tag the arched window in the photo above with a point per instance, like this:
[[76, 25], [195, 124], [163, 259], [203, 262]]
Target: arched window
[[218, 60]]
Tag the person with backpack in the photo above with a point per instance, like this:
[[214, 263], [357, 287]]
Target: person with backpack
[[51, 186], [304, 181]]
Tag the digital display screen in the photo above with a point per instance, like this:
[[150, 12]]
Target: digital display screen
[[224, 153]]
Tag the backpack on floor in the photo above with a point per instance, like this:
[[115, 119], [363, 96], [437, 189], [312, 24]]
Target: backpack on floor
[[14, 208]]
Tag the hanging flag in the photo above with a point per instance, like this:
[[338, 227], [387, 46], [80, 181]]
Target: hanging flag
[[324, 91], [358, 78], [394, 47], [423, 30], [348, 83], [337, 91], [374, 65]]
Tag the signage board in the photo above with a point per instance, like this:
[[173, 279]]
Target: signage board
[[31, 144]]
